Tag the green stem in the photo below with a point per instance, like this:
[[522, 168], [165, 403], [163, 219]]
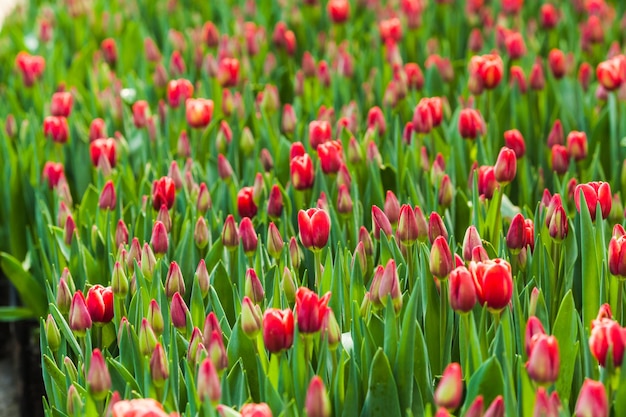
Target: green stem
[[615, 148], [443, 317], [259, 347], [274, 368], [620, 302], [318, 268]]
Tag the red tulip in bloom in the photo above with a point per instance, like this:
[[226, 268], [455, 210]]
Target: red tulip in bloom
[[607, 336], [338, 10], [471, 124], [178, 91], [163, 193], [414, 76], [302, 172], [245, 202], [422, 117], [390, 30], [557, 64], [487, 183], [494, 283], [310, 310], [103, 148], [548, 16], [488, 68], [506, 166], [595, 192], [513, 139], [56, 128], [30, 66], [109, 51], [331, 156], [544, 359], [256, 410], [199, 112], [611, 73], [617, 252], [592, 400], [53, 172], [577, 145], [449, 392], [278, 326], [228, 72], [560, 159], [141, 111], [462, 290], [521, 233], [314, 226], [100, 304], [61, 104], [319, 132]]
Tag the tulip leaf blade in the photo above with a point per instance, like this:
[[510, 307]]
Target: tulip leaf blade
[[382, 393], [487, 381], [566, 332], [30, 290]]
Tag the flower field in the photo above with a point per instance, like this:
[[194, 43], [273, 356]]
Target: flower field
[[318, 207]]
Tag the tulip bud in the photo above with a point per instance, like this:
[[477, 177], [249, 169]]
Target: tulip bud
[[246, 207], [543, 361], [592, 400], [380, 222], [174, 282], [64, 296], [275, 242], [470, 241], [407, 231], [179, 311], [449, 391], [251, 318], [496, 409], [98, 378], [597, 192], [436, 227], [147, 338], [159, 366], [317, 403], [148, 261], [513, 139], [248, 236], [462, 290], [476, 409], [471, 124], [537, 79], [278, 327], [344, 201], [217, 351], [230, 235], [577, 145], [74, 401], [155, 318], [208, 385], [440, 258], [253, 286], [506, 166], [204, 199], [201, 233], [79, 317], [314, 228], [295, 253], [53, 335]]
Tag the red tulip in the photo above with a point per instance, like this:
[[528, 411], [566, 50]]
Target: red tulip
[[560, 159], [338, 10], [380, 222], [331, 156], [548, 16], [302, 172], [487, 183], [488, 69], [390, 30], [141, 407], [494, 283], [310, 310], [414, 76], [103, 148], [611, 73], [245, 203], [592, 400], [31, 67], [517, 78], [97, 129], [617, 255], [462, 290], [100, 304], [422, 117], [543, 360], [56, 128], [607, 335], [440, 258], [107, 198], [577, 145], [594, 193], [53, 173], [61, 104], [536, 79], [515, 45], [109, 51], [557, 64], [228, 72], [79, 318], [178, 91], [141, 112], [470, 241], [513, 139], [278, 326], [98, 377], [408, 231], [256, 410], [314, 226], [449, 392], [506, 166], [163, 193], [317, 403], [199, 112], [319, 132], [471, 124]]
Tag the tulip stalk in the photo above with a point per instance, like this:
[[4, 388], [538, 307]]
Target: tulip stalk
[[318, 268], [614, 139], [443, 317]]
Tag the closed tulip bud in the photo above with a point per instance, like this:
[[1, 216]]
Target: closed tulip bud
[[546, 406], [506, 166], [560, 159], [577, 145], [543, 361], [64, 296], [100, 304], [159, 239], [274, 242], [559, 225], [253, 286], [275, 203], [515, 237], [314, 228], [61, 104], [302, 172], [217, 351], [228, 72], [436, 227], [31, 67], [446, 192], [248, 236], [592, 400], [557, 63], [79, 317], [155, 318], [407, 231], [251, 318], [518, 78], [449, 392], [471, 124], [330, 154], [178, 91], [414, 76], [148, 261], [585, 72], [53, 335], [224, 138], [470, 241], [295, 253], [98, 378], [496, 409], [174, 282], [494, 283], [338, 10], [380, 222], [53, 173], [147, 338], [392, 207], [514, 140], [69, 230], [179, 311], [163, 193], [597, 192], [230, 234], [201, 233], [344, 201], [255, 410], [159, 366], [208, 385], [477, 408], [74, 401], [224, 169], [536, 78], [317, 403], [389, 287], [440, 258], [56, 128], [310, 310], [278, 328], [196, 348], [462, 290], [548, 16], [210, 324], [288, 120]]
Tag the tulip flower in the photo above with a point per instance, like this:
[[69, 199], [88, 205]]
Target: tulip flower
[[98, 377], [506, 166], [543, 360], [385, 283], [159, 239], [79, 316], [208, 385], [607, 335], [557, 64], [471, 124], [494, 283], [310, 310], [278, 327], [449, 392], [548, 16], [577, 145], [314, 227], [199, 112], [592, 400], [159, 366], [53, 173], [139, 407], [440, 258], [470, 241], [228, 72], [407, 231], [56, 128], [462, 290], [546, 406], [302, 172], [422, 117], [436, 227], [338, 10], [513, 139], [251, 318], [617, 256], [496, 409], [380, 222], [414, 76], [330, 154], [488, 69], [178, 91], [163, 193], [610, 73], [141, 113], [560, 159], [517, 78], [99, 303], [178, 312], [594, 193], [317, 403], [31, 67], [61, 104]]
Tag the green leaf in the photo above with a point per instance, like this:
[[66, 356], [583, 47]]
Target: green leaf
[[16, 313], [566, 332], [31, 290], [382, 393], [488, 381]]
